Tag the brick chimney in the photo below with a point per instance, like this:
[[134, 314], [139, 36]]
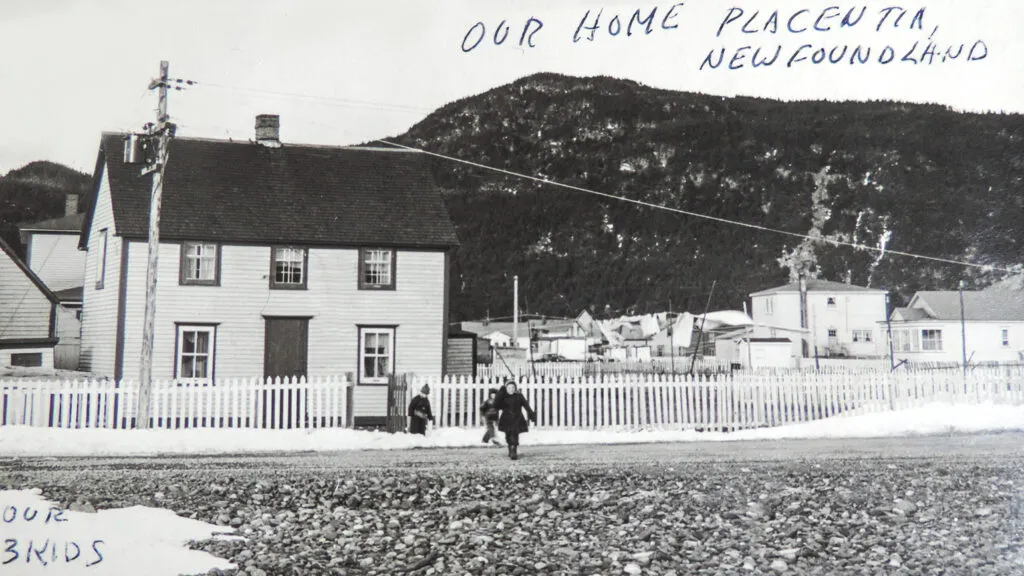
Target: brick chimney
[[268, 130], [71, 204]]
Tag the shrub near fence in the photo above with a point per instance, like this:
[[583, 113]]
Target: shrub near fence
[[231, 403], [723, 402]]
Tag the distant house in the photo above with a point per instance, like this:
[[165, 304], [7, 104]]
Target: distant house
[[929, 328], [28, 314], [275, 260], [51, 249], [842, 319]]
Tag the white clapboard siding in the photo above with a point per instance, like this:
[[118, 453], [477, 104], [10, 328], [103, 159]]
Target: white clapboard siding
[[99, 305], [56, 259], [332, 301], [24, 307]]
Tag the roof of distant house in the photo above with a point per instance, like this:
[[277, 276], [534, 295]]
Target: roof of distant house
[[815, 285], [909, 314], [979, 306], [72, 223], [226, 191]]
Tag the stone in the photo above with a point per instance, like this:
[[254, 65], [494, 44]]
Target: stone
[[779, 565], [632, 569]]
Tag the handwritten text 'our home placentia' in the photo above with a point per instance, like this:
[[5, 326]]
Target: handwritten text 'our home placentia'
[[750, 38]]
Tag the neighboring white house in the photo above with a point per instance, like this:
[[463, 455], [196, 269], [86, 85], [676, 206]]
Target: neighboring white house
[[274, 260], [842, 319], [51, 249], [28, 314], [929, 328]]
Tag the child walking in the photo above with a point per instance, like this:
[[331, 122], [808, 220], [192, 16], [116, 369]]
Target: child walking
[[512, 421]]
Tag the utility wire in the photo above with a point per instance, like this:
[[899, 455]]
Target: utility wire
[[696, 214]]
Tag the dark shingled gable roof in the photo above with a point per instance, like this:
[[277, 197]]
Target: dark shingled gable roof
[[245, 192]]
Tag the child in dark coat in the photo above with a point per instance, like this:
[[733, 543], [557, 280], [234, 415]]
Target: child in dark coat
[[489, 410], [512, 421], [419, 412]]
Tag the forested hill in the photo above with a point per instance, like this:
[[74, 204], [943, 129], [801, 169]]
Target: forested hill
[[35, 192], [931, 180]]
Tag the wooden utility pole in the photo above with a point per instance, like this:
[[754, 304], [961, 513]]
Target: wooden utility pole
[[161, 132]]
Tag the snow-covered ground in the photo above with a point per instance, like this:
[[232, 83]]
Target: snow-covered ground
[[43, 539], [935, 418]]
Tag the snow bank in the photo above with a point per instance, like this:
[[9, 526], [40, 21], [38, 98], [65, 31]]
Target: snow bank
[[44, 539], [935, 418]]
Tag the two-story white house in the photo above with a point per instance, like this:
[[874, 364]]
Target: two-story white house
[[275, 259], [930, 329], [841, 319]]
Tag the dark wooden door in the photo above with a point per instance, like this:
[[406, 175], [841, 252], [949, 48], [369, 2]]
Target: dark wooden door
[[286, 347], [285, 354]]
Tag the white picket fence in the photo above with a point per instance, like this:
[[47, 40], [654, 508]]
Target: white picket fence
[[724, 402], [231, 403], [622, 401]]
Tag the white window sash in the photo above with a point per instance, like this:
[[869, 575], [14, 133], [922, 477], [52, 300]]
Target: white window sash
[[201, 262], [205, 356], [288, 266], [381, 358]]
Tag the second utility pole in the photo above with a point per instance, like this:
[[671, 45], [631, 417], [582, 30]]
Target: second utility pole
[[163, 131]]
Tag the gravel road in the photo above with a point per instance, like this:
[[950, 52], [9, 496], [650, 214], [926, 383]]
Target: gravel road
[[935, 505]]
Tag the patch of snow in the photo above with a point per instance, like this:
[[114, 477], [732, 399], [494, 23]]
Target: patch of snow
[[131, 540], [878, 422]]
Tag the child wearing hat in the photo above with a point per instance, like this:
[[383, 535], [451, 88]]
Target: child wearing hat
[[419, 412]]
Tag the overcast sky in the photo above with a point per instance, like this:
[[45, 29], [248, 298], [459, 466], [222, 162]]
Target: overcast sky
[[343, 72]]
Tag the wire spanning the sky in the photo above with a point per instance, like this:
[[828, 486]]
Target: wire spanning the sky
[[758, 227]]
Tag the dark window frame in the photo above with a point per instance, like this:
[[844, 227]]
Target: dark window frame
[[274, 284], [18, 357], [363, 284], [182, 281], [101, 281]]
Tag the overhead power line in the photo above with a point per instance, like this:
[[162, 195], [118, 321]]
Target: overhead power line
[[699, 215]]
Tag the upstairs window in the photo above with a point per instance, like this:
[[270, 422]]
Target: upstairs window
[[831, 302], [1005, 337], [862, 335], [376, 269], [288, 268], [200, 264]]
